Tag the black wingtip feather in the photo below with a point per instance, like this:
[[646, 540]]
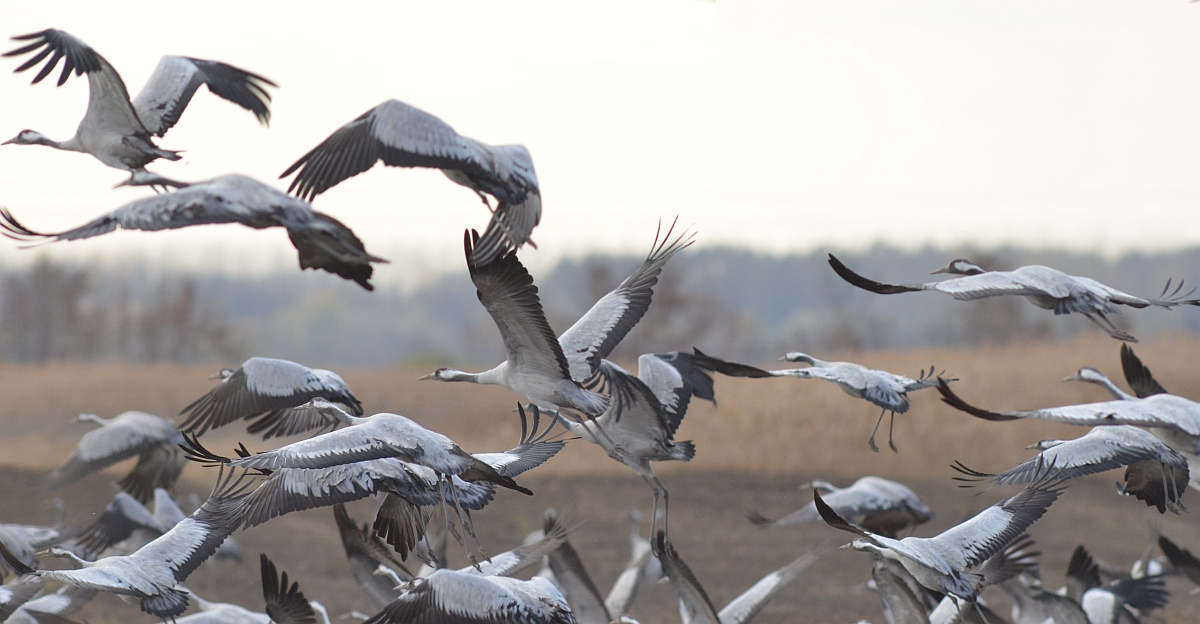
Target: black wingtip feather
[[953, 400], [845, 273], [1138, 376]]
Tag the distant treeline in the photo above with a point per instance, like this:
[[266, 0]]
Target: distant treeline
[[731, 302]]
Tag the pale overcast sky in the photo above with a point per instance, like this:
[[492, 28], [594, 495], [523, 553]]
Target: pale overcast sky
[[782, 126]]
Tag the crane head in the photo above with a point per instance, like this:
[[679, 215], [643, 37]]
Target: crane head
[[796, 356], [223, 374], [28, 137], [960, 266], [443, 374]]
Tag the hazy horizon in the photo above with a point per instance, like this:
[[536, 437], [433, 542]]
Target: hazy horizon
[[776, 126]]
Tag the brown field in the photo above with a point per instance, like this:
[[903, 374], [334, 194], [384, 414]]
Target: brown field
[[763, 438]]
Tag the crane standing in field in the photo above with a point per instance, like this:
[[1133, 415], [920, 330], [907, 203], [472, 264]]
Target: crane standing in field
[[118, 131], [886, 390]]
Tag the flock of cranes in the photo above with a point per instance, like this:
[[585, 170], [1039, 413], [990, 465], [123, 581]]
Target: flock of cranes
[[426, 485]]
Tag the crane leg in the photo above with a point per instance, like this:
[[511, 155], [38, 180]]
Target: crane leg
[[891, 425], [659, 491], [468, 527], [654, 511], [871, 440]]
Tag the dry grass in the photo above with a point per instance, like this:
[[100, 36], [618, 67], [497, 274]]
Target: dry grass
[[777, 426], [765, 436]]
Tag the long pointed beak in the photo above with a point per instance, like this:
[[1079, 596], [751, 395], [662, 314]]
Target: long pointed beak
[[782, 359], [429, 376], [217, 376], [846, 546], [12, 140], [1033, 446], [944, 269], [1071, 377]]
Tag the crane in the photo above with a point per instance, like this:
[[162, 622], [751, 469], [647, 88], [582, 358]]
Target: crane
[[940, 563], [119, 131], [401, 135], [546, 370], [1044, 287], [152, 439], [268, 389], [886, 390], [645, 410], [322, 241], [873, 503], [151, 574]]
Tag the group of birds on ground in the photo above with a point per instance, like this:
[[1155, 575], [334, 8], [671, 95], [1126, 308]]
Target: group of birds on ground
[[426, 486]]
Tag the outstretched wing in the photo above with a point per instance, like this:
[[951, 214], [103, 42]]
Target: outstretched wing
[[394, 132], [692, 598], [594, 336], [173, 83], [976, 540], [108, 99], [268, 385], [506, 290], [365, 553], [533, 450], [677, 376], [1101, 449], [1138, 376], [285, 604], [116, 523], [747, 605], [1089, 414], [119, 440], [195, 539]]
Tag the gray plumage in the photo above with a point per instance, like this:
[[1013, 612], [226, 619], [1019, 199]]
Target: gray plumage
[[152, 439], [623, 591], [695, 607], [888, 391], [151, 574], [1100, 450], [1044, 287], [508, 563], [404, 136], [14, 595], [594, 336], [453, 597], [1165, 412], [644, 411], [321, 241], [268, 389], [545, 369], [941, 562], [25, 540], [572, 577], [875, 504], [118, 131], [900, 604], [53, 608], [117, 523], [366, 552]]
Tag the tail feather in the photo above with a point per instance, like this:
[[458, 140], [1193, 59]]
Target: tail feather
[[683, 451]]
